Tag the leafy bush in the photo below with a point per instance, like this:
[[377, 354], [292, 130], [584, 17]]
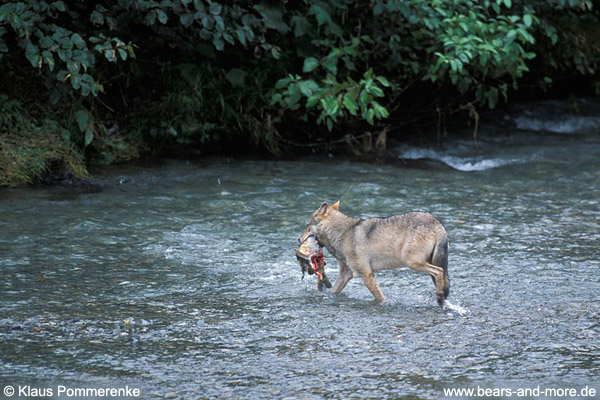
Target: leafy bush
[[202, 73]]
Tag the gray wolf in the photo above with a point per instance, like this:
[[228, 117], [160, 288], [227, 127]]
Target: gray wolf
[[416, 240]]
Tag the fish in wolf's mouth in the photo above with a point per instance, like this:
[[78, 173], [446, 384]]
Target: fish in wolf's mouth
[[312, 260]]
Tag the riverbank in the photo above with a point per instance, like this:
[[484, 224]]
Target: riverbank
[[44, 158]]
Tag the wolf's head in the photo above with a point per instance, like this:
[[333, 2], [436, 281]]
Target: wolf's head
[[322, 213]]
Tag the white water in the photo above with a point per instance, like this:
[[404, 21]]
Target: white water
[[455, 308], [543, 132], [461, 162], [566, 124], [556, 117]]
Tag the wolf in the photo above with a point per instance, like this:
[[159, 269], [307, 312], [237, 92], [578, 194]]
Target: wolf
[[416, 240]]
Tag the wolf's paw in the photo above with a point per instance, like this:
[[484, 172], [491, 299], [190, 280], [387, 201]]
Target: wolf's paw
[[441, 299]]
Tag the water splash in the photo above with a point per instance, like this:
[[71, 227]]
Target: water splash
[[454, 308]]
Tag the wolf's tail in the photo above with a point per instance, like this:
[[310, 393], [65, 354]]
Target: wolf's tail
[[440, 258]]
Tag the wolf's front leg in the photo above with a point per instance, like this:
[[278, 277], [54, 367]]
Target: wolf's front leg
[[343, 278], [371, 282]]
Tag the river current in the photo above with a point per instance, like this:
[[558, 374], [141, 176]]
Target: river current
[[179, 278]]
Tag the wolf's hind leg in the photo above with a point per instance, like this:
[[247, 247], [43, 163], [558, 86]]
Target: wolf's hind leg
[[343, 278], [438, 277]]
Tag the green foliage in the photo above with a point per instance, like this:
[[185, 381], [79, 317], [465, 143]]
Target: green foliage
[[63, 53], [334, 98], [41, 143], [205, 73]]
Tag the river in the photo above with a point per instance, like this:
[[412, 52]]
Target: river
[[179, 278]]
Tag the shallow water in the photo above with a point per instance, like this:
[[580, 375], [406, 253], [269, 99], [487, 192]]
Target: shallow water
[[198, 258]]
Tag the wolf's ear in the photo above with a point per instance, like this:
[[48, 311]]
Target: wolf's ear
[[323, 208], [336, 205]]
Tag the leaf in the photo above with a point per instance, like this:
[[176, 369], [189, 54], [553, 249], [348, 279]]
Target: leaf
[[65, 55], [508, 4], [241, 35], [66, 43], [78, 41], [370, 115], [208, 22], [527, 20], [283, 82], [380, 110], [198, 5], [220, 23], [273, 17], [349, 64], [276, 52], [275, 99], [228, 38], [96, 18], [236, 77], [294, 96], [310, 64], [321, 15], [46, 42], [383, 81], [301, 26], [307, 88], [329, 124], [89, 136], [110, 55], [376, 91], [312, 101], [215, 8], [327, 104], [378, 9], [350, 103], [218, 42], [330, 64], [453, 65], [59, 5], [81, 117], [49, 59], [32, 54], [162, 16], [493, 98], [363, 98], [186, 20]]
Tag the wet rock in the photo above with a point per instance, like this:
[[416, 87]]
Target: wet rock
[[66, 179]]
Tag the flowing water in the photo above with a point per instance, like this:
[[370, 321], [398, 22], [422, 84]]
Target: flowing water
[[180, 278]]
